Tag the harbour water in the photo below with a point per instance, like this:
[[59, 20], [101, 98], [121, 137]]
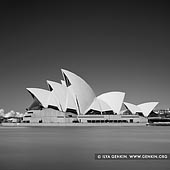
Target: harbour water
[[62, 148]]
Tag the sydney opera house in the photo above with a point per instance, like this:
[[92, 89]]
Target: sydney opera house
[[74, 101]]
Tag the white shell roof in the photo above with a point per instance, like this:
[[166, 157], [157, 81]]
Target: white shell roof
[[70, 102], [133, 108], [60, 92], [104, 106], [95, 105], [113, 99], [53, 100], [82, 93], [99, 105], [63, 95], [41, 94], [147, 107]]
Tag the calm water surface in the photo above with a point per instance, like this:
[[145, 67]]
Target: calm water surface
[[62, 148]]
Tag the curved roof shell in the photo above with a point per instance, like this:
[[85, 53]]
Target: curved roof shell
[[82, 93], [133, 108], [113, 99], [70, 102], [147, 107], [41, 94], [53, 100], [104, 106], [99, 105], [60, 93], [63, 94]]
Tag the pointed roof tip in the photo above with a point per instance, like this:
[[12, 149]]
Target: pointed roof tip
[[29, 88], [35, 89], [48, 81], [62, 70], [129, 103], [156, 102], [32, 89], [48, 84], [66, 70]]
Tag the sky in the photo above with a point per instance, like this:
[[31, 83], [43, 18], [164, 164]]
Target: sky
[[114, 46]]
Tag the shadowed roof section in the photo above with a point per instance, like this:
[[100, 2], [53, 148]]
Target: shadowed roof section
[[36, 105], [83, 93], [41, 94], [113, 99]]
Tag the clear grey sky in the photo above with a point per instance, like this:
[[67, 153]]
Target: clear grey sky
[[114, 46]]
